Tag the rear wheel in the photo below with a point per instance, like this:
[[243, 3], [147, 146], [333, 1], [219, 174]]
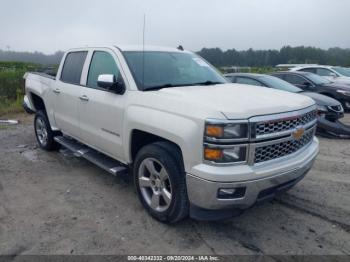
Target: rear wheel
[[160, 182], [44, 134]]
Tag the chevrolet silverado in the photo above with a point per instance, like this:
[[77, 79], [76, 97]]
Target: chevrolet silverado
[[195, 144]]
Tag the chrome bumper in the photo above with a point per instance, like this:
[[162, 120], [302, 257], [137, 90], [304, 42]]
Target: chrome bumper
[[203, 193]]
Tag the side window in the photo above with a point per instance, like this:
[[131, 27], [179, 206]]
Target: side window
[[101, 63], [229, 78], [73, 66], [323, 72], [281, 76], [247, 81], [311, 70], [294, 79]]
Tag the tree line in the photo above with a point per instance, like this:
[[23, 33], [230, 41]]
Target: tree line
[[31, 57], [230, 57], [286, 55]]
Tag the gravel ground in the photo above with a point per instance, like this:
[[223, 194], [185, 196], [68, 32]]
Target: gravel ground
[[54, 203]]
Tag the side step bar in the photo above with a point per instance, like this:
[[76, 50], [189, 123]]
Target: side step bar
[[105, 162]]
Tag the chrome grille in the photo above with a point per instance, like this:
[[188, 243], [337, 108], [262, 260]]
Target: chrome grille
[[273, 151], [280, 125]]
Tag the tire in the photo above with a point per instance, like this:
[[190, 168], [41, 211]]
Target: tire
[[151, 162], [43, 132]]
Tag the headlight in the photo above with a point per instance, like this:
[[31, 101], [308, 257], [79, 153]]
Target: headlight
[[321, 110], [343, 92], [231, 154], [233, 131]]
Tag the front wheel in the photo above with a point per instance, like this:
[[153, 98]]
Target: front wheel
[[44, 134], [160, 182]]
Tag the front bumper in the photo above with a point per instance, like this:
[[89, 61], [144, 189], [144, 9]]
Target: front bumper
[[266, 181], [332, 128]]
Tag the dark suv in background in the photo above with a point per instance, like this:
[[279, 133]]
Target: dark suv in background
[[315, 83], [329, 109]]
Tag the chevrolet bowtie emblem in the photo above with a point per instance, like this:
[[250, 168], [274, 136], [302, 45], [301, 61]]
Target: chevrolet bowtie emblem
[[298, 133]]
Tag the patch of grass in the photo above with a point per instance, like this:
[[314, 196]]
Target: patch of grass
[[11, 86], [11, 106]]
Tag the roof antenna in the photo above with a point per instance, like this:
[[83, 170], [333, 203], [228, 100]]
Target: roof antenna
[[143, 51], [180, 48]]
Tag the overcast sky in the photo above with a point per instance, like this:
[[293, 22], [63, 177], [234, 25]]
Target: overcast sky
[[47, 26]]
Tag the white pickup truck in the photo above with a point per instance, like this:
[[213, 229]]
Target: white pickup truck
[[194, 144]]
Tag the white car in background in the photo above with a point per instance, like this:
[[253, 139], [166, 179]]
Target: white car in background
[[333, 73]]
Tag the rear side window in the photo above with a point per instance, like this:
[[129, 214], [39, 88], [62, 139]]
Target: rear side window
[[229, 78], [247, 81], [279, 76], [73, 66], [101, 63], [294, 79], [311, 70], [324, 72]]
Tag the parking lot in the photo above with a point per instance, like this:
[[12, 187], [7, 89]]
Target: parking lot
[[54, 203]]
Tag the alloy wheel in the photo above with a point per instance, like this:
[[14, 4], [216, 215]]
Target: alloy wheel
[[155, 184], [41, 131]]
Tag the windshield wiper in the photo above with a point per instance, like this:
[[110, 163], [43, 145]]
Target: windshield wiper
[[149, 88], [206, 83]]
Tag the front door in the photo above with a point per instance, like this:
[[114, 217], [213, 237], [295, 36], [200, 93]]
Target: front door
[[101, 114]]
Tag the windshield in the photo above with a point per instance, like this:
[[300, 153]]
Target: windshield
[[318, 80], [342, 70], [278, 83], [169, 69]]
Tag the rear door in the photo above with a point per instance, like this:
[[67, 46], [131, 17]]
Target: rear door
[[101, 114], [67, 93]]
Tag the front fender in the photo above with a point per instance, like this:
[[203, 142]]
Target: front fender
[[185, 132], [27, 105]]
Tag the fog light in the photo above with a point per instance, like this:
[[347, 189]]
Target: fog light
[[231, 193], [226, 191]]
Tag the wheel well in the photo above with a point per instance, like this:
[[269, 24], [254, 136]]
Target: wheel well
[[38, 102], [140, 138]]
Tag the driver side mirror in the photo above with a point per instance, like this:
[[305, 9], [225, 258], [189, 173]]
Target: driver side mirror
[[109, 82], [334, 75]]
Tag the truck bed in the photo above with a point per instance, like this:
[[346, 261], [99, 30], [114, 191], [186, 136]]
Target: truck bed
[[53, 77]]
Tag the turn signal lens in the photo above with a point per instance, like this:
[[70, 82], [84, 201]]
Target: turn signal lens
[[214, 131], [232, 154], [213, 154]]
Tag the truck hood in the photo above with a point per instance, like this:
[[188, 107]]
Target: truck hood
[[237, 101]]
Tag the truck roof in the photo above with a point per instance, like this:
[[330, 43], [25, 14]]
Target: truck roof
[[147, 48], [134, 48]]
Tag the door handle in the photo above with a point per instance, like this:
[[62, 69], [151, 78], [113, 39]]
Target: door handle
[[84, 98], [57, 91]]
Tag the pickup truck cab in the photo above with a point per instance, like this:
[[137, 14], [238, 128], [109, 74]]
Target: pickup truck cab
[[195, 144]]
